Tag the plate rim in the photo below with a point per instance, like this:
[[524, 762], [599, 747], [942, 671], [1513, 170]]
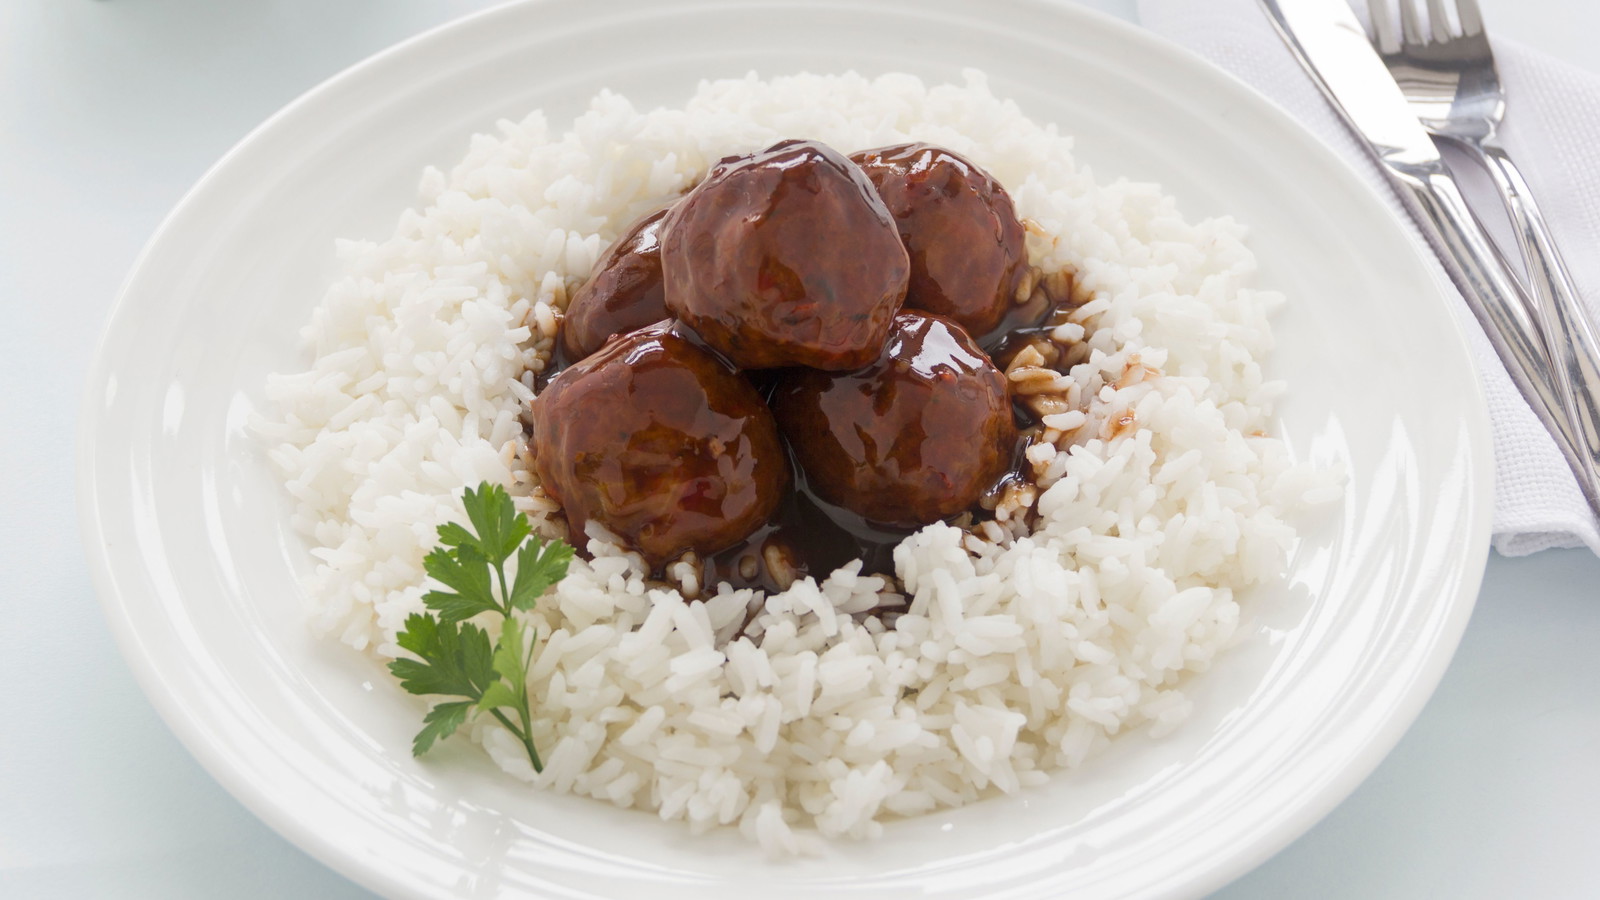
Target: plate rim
[[1310, 809]]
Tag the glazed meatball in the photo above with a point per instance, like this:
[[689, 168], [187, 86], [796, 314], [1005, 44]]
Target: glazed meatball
[[914, 437], [661, 442], [968, 251], [786, 258], [623, 292]]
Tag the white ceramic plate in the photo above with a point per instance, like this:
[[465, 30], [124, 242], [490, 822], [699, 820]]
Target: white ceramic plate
[[187, 530]]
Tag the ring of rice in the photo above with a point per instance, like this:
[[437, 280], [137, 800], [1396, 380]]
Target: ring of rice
[[1016, 648]]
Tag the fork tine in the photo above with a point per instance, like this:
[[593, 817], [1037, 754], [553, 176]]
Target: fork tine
[[1410, 26], [1382, 18], [1471, 21], [1438, 21]]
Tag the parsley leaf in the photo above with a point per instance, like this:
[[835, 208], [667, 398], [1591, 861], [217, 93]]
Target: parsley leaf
[[498, 695], [465, 569], [508, 655], [453, 535], [454, 657], [440, 722], [539, 565], [456, 661], [499, 526]]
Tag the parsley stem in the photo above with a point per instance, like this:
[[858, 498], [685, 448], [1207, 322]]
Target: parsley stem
[[522, 734], [526, 731], [505, 595], [527, 738]]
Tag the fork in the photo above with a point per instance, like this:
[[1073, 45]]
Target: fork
[[1446, 71]]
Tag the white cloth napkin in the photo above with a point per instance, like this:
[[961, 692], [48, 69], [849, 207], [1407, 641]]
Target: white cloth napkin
[[1552, 130]]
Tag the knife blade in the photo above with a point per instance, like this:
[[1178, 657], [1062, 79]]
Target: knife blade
[[1330, 44]]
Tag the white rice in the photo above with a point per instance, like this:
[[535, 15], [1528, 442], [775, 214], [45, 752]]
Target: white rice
[[1014, 656]]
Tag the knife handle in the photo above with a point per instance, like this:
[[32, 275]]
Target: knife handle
[[1570, 341], [1506, 313]]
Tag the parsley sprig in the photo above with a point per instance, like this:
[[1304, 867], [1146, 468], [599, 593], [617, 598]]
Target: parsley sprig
[[455, 658]]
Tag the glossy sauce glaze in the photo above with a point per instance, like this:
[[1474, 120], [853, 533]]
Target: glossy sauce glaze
[[968, 249], [662, 441], [915, 437], [924, 430], [786, 257], [624, 291], [807, 535], [810, 536]]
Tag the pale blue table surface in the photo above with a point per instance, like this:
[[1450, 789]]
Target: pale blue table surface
[[110, 110]]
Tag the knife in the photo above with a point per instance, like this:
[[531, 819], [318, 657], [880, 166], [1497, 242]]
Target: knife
[[1332, 47]]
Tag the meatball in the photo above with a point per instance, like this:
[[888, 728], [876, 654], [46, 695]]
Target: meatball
[[785, 258], [623, 292], [914, 437], [969, 257], [661, 442]]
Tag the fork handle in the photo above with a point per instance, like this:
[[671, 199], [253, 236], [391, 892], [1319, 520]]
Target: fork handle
[[1569, 335], [1504, 309]]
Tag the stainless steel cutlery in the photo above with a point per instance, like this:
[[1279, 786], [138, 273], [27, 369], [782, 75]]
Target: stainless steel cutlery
[[1434, 76]]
